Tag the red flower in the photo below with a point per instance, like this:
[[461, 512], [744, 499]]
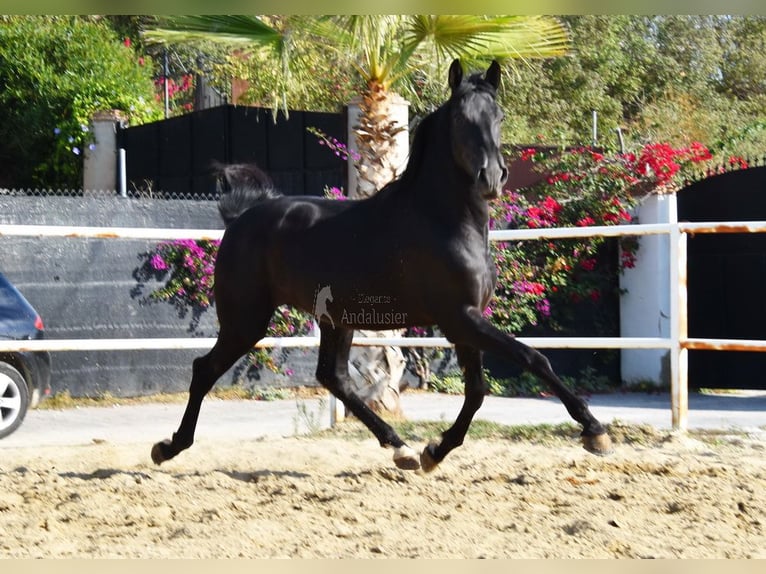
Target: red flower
[[738, 161], [551, 205], [528, 154], [699, 152], [658, 160], [586, 221], [628, 259], [588, 264], [126, 41]]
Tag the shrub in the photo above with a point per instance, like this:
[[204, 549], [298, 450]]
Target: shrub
[[56, 71], [580, 187]]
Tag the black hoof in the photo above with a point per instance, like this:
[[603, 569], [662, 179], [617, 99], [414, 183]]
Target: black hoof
[[428, 461], [599, 444], [159, 452], [405, 458]]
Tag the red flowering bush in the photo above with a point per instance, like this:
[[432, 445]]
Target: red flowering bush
[[189, 266], [180, 93], [580, 187]]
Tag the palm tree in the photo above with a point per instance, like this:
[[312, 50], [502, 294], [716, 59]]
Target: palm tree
[[390, 54]]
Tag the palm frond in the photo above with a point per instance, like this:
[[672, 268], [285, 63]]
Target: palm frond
[[522, 37], [236, 30], [497, 37], [371, 43]]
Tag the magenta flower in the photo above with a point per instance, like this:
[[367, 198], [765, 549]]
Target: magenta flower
[[158, 263]]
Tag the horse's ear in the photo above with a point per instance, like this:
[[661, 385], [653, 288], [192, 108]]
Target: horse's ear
[[493, 74], [455, 74]]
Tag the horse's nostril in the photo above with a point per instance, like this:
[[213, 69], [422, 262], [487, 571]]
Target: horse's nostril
[[492, 177]]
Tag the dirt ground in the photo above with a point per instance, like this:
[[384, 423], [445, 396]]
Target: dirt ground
[[341, 497]]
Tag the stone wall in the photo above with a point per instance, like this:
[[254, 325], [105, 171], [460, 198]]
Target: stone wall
[[86, 288]]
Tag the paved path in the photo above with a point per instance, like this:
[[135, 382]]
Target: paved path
[[232, 420]]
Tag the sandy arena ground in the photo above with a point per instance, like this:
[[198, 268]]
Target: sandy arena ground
[[342, 497]]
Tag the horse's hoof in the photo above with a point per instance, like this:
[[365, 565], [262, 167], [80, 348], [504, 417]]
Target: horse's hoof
[[405, 458], [599, 444], [158, 456], [427, 460]]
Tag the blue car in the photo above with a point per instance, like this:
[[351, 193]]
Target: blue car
[[24, 376]]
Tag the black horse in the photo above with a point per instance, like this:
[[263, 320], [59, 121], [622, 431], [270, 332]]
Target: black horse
[[416, 253]]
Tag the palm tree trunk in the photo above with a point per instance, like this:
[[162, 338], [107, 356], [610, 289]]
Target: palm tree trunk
[[379, 134]]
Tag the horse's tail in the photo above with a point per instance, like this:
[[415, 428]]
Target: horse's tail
[[241, 187]]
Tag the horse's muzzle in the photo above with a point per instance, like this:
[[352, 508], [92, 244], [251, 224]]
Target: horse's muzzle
[[491, 180]]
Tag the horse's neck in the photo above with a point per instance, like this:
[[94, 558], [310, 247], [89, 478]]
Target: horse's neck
[[435, 184], [444, 191]]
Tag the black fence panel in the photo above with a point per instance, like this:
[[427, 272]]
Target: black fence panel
[[144, 161], [248, 135], [174, 156], [726, 274]]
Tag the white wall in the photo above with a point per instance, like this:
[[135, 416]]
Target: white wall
[[645, 308]]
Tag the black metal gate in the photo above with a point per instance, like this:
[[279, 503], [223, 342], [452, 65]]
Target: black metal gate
[[173, 157], [726, 278]]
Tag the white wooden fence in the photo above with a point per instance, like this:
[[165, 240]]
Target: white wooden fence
[[678, 343]]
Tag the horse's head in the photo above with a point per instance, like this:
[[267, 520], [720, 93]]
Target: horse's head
[[475, 121]]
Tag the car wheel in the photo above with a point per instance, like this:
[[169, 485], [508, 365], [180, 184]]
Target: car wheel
[[14, 399]]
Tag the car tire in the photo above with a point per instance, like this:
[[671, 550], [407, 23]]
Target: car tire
[[14, 399]]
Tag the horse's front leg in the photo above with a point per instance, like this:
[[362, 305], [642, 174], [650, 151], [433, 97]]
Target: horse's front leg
[[470, 363], [470, 328]]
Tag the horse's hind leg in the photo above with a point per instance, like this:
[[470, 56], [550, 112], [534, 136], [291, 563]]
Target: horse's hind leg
[[237, 336], [332, 373]]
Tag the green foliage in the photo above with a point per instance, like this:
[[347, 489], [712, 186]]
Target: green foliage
[[449, 383], [524, 385], [659, 78], [56, 71], [279, 55]]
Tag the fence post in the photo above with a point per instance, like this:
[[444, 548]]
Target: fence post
[[337, 411], [679, 355], [100, 164], [122, 165]]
